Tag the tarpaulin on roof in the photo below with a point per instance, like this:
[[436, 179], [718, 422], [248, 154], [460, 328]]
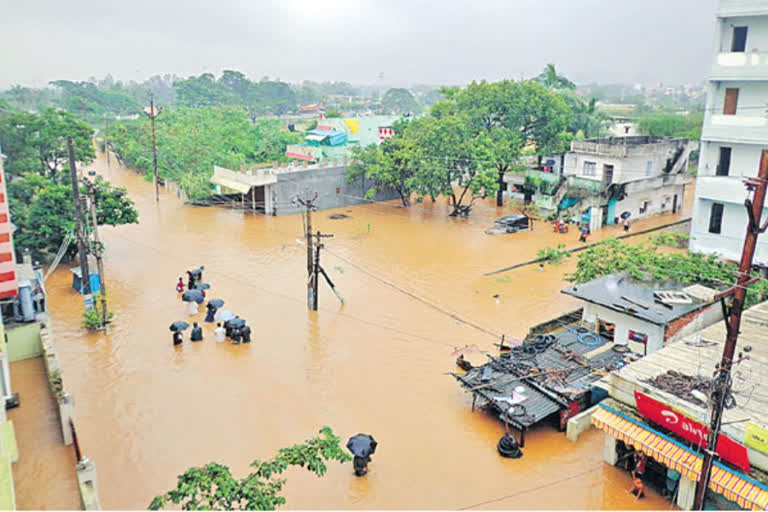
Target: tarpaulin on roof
[[353, 125]]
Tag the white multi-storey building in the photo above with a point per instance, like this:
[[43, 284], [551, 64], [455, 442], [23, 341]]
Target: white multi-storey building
[[735, 130]]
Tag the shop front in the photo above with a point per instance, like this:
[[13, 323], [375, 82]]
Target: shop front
[[672, 467]]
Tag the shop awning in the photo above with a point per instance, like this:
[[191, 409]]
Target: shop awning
[[243, 188], [748, 493], [647, 441]]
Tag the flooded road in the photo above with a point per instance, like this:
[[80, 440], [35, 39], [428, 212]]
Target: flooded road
[[147, 411]]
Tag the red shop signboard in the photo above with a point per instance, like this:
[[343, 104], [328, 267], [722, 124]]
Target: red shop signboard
[[692, 430]]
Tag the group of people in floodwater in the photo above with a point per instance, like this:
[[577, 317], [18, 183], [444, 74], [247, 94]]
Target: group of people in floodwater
[[237, 331]]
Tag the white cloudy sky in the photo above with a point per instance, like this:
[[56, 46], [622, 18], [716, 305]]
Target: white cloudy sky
[[409, 41]]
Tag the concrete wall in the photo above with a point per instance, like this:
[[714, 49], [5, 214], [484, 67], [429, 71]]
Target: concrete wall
[[330, 184], [624, 323], [751, 102], [730, 241], [757, 33], [23, 341], [745, 160], [660, 200]]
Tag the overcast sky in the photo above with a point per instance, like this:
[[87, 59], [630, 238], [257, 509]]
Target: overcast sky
[[408, 41]]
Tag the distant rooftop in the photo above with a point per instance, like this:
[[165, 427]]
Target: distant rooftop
[[633, 140], [612, 292]]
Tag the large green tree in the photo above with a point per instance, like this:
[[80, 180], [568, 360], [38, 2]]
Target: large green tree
[[43, 213], [513, 116], [400, 101], [37, 143], [390, 165], [212, 487]]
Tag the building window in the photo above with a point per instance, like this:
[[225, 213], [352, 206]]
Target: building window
[[648, 167], [724, 162], [644, 206], [589, 168], [716, 218], [739, 41], [731, 101]]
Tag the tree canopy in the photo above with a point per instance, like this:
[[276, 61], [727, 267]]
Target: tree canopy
[[400, 101], [550, 79], [212, 487], [37, 142], [190, 141], [672, 125], [43, 212]]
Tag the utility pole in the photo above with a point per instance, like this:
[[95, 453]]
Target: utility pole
[[86, 279], [153, 115], [722, 378], [320, 270], [309, 204], [106, 138], [97, 250]]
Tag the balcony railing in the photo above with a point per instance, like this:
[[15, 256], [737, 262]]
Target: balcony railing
[[750, 65]]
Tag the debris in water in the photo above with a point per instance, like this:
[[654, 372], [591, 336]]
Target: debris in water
[[339, 216]]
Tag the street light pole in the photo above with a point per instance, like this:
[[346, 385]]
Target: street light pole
[[153, 115], [86, 276]]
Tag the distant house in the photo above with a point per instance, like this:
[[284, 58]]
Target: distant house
[[645, 315]]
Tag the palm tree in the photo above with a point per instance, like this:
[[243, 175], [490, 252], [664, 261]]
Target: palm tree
[[552, 80]]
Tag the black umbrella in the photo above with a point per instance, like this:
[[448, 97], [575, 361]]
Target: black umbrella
[[216, 303], [237, 322], [179, 325], [625, 215], [193, 295], [202, 286], [196, 272], [362, 445]]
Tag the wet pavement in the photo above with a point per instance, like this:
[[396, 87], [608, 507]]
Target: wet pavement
[[147, 411]]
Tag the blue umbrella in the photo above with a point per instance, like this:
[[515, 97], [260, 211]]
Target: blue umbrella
[[225, 315], [237, 322], [179, 325], [362, 445], [202, 286], [216, 303], [193, 296]]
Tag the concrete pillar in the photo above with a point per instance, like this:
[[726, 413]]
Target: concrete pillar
[[595, 218], [89, 488], [579, 423], [609, 450], [686, 493], [66, 413]]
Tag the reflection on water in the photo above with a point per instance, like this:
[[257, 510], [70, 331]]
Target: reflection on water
[[147, 411]]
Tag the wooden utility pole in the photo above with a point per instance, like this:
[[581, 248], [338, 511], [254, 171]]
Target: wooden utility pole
[[152, 114], [721, 385], [97, 251], [86, 279]]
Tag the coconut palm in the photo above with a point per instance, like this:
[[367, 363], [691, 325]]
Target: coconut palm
[[550, 79]]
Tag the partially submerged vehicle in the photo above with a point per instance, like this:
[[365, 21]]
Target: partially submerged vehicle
[[510, 224]]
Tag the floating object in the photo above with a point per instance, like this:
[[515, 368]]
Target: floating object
[[509, 447]]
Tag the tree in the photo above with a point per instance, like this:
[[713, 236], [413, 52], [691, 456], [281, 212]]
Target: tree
[[390, 165], [672, 125], [513, 115], [42, 211], [212, 487], [399, 100], [35, 142], [647, 261], [550, 79], [449, 159], [586, 118]]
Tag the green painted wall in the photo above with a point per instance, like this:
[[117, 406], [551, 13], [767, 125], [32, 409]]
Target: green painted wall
[[24, 342]]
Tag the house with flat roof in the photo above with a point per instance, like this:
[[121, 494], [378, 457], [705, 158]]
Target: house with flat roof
[[645, 315]]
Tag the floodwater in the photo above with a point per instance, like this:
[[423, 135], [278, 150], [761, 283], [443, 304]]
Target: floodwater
[[147, 411]]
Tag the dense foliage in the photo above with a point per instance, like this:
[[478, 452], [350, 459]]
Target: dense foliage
[[43, 213], [647, 261], [190, 141], [212, 487], [399, 101], [37, 142], [672, 125]]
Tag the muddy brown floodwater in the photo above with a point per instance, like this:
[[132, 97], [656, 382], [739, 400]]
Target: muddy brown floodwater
[[147, 411]]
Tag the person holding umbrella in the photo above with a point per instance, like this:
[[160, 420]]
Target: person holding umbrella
[[219, 332], [362, 446], [625, 220], [177, 328], [583, 233], [213, 306], [193, 297]]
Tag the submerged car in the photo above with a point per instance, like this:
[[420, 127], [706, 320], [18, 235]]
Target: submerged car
[[509, 224]]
